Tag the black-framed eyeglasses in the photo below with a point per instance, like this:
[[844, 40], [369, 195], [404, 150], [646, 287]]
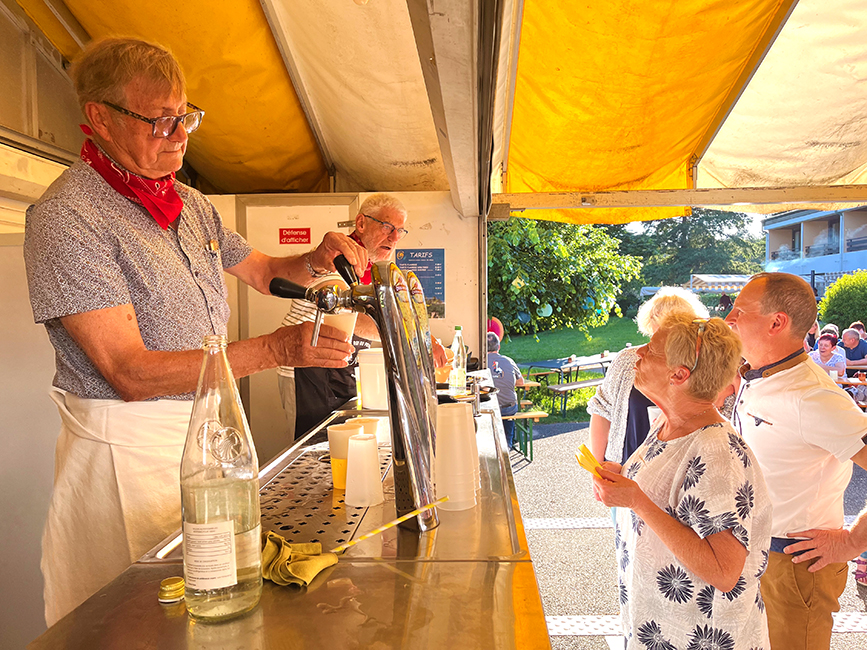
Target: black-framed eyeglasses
[[163, 127], [388, 228]]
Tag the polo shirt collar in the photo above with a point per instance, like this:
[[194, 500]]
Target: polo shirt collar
[[799, 356]]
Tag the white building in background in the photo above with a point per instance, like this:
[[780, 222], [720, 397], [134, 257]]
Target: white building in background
[[819, 246]]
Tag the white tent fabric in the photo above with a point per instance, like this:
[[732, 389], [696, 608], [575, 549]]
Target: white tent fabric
[[802, 120], [359, 69], [716, 283]]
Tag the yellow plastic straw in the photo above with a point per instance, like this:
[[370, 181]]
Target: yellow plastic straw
[[391, 524]]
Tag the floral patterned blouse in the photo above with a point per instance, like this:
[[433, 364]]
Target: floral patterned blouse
[[708, 480]]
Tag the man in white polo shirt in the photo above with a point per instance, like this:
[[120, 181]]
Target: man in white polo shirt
[[805, 432]]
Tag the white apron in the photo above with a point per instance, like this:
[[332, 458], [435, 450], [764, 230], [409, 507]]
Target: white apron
[[116, 492]]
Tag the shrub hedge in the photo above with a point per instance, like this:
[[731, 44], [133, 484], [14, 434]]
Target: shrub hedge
[[845, 301]]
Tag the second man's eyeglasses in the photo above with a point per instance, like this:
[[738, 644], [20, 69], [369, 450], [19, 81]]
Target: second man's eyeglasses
[[388, 228]]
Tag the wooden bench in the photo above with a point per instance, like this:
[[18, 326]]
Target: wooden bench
[[561, 391], [524, 430], [540, 374], [525, 403]]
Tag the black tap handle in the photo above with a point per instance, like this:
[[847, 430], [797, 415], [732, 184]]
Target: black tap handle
[[346, 270], [286, 289]]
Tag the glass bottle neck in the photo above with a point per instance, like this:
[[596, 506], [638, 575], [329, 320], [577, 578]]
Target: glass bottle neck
[[214, 341]]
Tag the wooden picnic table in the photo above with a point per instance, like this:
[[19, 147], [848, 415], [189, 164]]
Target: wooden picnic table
[[567, 365], [853, 381], [850, 381], [564, 368], [524, 430]]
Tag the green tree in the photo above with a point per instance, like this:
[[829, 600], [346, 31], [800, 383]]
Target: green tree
[[545, 275], [710, 241], [845, 301]]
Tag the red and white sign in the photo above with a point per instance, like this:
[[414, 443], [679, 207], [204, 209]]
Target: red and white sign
[[294, 235]]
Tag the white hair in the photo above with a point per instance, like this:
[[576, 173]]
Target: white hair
[[664, 302], [375, 203]]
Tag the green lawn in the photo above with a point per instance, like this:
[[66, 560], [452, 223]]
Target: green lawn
[[612, 336]]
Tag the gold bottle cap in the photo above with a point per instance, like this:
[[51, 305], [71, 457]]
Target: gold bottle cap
[[171, 590]]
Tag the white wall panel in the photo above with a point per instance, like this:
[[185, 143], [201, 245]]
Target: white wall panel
[[29, 430]]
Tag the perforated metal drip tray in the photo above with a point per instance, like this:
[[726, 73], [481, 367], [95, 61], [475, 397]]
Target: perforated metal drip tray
[[300, 504]]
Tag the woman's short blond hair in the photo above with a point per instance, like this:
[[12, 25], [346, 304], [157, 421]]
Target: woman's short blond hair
[[107, 66], [718, 358], [664, 302]]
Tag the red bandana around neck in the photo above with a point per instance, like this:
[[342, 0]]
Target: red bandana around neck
[[159, 197], [366, 278]]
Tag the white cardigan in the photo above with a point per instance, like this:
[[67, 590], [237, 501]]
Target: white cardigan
[[611, 400]]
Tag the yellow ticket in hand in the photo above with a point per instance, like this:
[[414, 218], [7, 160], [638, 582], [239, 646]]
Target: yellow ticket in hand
[[587, 460]]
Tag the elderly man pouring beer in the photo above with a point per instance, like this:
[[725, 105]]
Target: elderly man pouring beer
[[125, 269]]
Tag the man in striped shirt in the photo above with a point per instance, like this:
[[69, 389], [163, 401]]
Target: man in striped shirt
[[309, 394]]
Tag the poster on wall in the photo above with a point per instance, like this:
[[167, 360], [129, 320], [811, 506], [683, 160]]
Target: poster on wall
[[429, 265]]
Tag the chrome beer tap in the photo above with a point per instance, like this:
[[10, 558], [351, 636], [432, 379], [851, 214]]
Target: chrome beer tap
[[388, 302]]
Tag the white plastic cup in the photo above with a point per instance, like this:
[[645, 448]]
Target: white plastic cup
[[375, 426], [338, 450], [345, 322], [471, 431], [371, 375], [456, 457], [363, 478], [653, 412], [833, 374]]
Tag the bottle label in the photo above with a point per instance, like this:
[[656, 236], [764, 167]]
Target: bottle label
[[209, 555]]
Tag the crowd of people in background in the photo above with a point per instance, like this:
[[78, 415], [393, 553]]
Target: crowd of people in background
[[726, 447], [842, 353]]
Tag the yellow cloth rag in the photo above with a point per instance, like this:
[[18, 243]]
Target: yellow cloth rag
[[292, 564]]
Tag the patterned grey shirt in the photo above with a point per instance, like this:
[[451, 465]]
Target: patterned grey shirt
[[86, 247]]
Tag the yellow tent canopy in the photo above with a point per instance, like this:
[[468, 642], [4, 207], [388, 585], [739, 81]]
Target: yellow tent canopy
[[591, 98]]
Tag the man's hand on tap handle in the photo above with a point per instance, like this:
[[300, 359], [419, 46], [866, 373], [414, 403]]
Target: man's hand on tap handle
[[334, 244]]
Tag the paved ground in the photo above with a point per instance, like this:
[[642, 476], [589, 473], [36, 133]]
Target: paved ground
[[575, 562]]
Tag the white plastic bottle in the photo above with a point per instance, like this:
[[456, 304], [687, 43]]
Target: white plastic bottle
[[458, 374], [220, 497]]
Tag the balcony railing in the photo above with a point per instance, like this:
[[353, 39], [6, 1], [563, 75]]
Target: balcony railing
[[818, 250], [784, 254], [856, 244]]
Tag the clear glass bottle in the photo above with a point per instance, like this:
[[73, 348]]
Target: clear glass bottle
[[458, 373], [220, 497]]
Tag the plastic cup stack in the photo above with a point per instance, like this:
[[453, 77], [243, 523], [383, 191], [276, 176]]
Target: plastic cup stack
[[371, 376], [363, 478], [338, 449], [457, 457]]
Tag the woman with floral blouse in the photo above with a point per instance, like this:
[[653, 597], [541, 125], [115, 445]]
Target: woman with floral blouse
[[693, 514]]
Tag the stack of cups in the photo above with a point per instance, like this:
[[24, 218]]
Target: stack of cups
[[374, 426], [363, 478], [338, 449], [457, 457], [371, 376]]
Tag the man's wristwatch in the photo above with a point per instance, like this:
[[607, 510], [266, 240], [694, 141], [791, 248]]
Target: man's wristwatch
[[313, 272]]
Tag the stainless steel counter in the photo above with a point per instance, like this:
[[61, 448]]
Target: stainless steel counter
[[469, 583]]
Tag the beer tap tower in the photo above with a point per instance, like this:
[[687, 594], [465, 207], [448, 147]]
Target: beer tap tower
[[393, 304]]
